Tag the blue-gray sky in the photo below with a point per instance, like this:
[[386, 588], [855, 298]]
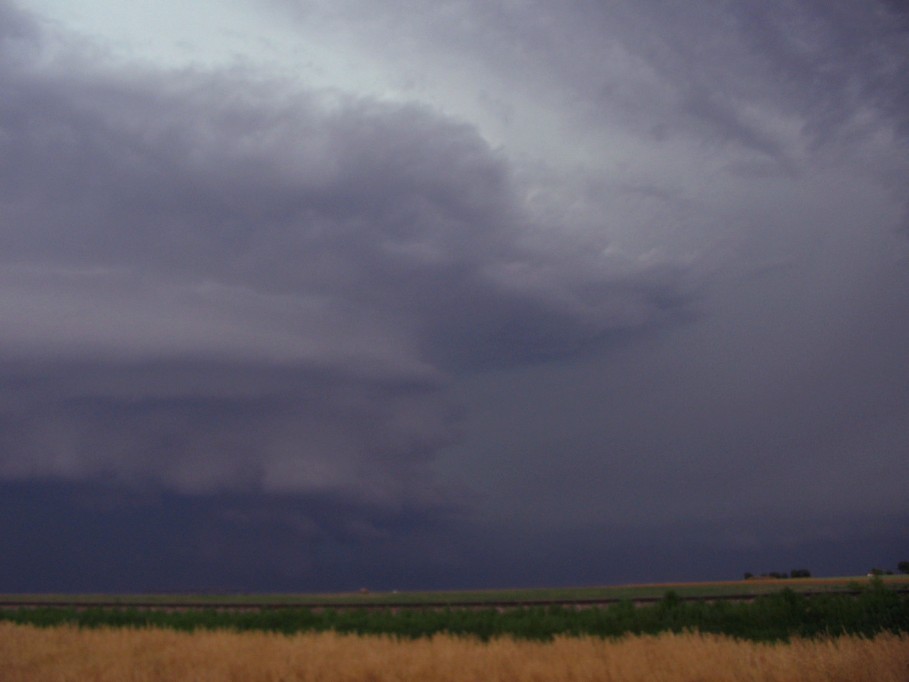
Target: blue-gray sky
[[317, 295]]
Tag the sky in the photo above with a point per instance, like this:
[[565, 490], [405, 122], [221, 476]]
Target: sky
[[310, 295]]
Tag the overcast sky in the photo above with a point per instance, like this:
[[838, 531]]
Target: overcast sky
[[315, 295]]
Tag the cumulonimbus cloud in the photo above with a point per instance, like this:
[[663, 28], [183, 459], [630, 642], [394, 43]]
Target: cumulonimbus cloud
[[205, 285]]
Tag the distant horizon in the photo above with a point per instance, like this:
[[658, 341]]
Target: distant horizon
[[893, 576]]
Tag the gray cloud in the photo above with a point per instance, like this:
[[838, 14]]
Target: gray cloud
[[529, 280], [227, 288], [713, 71]]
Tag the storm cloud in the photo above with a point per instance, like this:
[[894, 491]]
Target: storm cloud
[[467, 272], [234, 288]]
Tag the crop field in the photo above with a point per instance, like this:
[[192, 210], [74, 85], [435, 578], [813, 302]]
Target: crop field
[[850, 632], [778, 616], [697, 590], [70, 654]]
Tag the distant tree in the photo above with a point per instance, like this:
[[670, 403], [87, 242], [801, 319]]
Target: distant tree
[[749, 575], [800, 573], [876, 571], [903, 566]]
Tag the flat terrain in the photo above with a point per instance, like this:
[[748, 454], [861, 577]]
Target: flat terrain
[[780, 615], [640, 593]]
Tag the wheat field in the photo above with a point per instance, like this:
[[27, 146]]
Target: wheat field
[[67, 654]]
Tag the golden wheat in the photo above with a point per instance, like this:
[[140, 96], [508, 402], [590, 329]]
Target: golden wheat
[[67, 654]]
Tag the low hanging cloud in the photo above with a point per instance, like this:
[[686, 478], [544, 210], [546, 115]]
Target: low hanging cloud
[[205, 286], [457, 293]]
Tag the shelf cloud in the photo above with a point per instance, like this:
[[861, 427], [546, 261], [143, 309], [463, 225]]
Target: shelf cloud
[[400, 273]]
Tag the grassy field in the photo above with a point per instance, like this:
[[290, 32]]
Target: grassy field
[[782, 635], [621, 592], [68, 654], [778, 616]]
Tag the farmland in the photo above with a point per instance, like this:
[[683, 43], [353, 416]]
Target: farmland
[[106, 655], [776, 615], [806, 630], [735, 589]]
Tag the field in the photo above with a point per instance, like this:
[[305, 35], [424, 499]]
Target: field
[[706, 590], [778, 616], [806, 630], [68, 654]]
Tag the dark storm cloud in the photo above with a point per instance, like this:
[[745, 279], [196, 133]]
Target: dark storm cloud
[[685, 98], [169, 542], [771, 160], [817, 61], [206, 285], [634, 308], [113, 540]]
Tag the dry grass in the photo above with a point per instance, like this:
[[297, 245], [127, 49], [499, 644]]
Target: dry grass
[[67, 654]]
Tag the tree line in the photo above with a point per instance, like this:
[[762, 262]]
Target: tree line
[[902, 567], [794, 573]]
